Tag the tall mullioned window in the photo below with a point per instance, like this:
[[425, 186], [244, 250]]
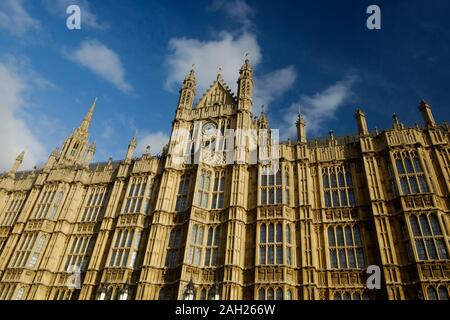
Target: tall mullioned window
[[48, 203], [2, 243], [446, 158], [137, 198], [37, 251], [123, 246], [411, 173], [289, 242], [212, 246], [95, 204], [440, 294], [79, 253], [45, 202], [173, 248], [271, 187], [346, 247], [337, 187], [24, 250], [203, 189], [196, 245], [218, 190], [271, 245], [271, 293], [13, 208], [182, 196], [428, 237]]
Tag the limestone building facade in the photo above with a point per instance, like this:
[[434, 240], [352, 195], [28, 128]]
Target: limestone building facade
[[153, 227]]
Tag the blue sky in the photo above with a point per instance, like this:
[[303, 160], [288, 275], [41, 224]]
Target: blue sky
[[313, 56]]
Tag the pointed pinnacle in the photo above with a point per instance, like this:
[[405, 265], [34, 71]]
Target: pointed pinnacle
[[88, 118], [20, 156]]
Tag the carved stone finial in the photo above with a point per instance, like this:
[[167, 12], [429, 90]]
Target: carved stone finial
[[395, 117], [331, 133], [147, 150]]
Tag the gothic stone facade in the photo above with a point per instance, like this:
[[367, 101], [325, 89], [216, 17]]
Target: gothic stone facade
[[152, 228]]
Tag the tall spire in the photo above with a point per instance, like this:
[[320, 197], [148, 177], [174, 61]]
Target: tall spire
[[76, 149], [262, 120], [246, 69], [17, 164], [131, 148], [84, 127], [219, 74], [361, 122], [187, 92], [245, 87], [427, 114], [301, 128], [189, 81]]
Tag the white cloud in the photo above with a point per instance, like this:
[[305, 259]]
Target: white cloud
[[236, 9], [272, 86], [15, 19], [321, 106], [227, 51], [15, 134], [156, 141], [102, 61], [88, 17]]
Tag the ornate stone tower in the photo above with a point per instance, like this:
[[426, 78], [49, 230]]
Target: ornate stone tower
[[76, 150]]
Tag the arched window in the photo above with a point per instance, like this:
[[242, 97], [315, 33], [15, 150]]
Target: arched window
[[341, 179], [121, 248], [333, 180], [173, 248], [347, 296], [124, 238], [288, 234], [279, 232], [271, 186], [443, 293], [271, 233], [340, 236], [261, 294], [262, 233], [204, 189], [218, 190], [288, 245], [326, 183], [346, 252], [271, 244], [270, 294], [212, 246], [286, 187], [20, 293], [337, 296], [279, 294], [37, 252], [412, 177], [288, 294], [431, 292], [195, 248], [332, 246], [427, 237], [356, 296], [203, 294], [24, 249], [183, 190]]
